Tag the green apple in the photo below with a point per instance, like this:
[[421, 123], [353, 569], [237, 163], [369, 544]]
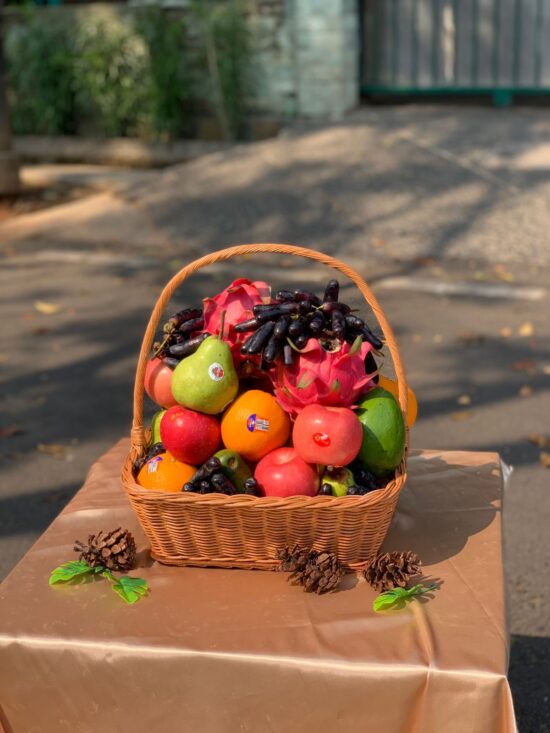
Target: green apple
[[339, 480]]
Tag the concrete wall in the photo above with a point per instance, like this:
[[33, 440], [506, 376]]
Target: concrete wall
[[307, 56]]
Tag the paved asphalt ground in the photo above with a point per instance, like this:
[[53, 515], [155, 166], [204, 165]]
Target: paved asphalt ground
[[446, 211]]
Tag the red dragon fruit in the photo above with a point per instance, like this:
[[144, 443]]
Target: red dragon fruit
[[317, 376], [236, 301]]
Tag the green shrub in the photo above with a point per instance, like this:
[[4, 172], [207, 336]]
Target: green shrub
[[137, 75], [40, 60], [113, 78]]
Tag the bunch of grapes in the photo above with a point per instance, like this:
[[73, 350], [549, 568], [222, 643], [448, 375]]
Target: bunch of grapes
[[210, 479], [180, 336], [295, 317]]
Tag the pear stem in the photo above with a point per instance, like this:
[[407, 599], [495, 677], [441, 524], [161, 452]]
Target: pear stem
[[222, 324]]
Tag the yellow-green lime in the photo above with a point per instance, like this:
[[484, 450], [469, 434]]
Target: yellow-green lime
[[383, 432]]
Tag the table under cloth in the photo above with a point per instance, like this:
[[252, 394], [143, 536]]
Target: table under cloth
[[223, 651]]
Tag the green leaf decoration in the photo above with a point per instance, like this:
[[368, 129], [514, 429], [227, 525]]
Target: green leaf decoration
[[356, 345], [69, 571], [130, 589], [397, 596]]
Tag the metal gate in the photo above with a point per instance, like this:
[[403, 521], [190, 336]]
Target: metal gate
[[496, 47]]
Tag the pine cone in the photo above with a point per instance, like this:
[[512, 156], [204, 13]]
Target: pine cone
[[115, 550], [392, 569], [315, 571]]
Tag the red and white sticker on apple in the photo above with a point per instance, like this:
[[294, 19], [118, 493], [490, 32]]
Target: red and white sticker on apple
[[257, 424], [322, 439], [216, 372]]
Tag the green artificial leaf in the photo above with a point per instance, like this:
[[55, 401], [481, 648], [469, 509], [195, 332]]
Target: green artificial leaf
[[356, 345], [69, 571], [130, 589], [397, 596]]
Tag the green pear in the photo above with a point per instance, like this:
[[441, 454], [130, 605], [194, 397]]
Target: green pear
[[155, 427], [234, 467], [339, 480], [206, 381]]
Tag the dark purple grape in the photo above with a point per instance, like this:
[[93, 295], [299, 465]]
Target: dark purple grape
[[369, 336], [257, 341], [205, 486], [195, 324], [331, 307], [251, 486], [222, 484], [297, 326], [284, 296], [190, 487], [317, 324], [355, 323], [281, 326], [301, 340], [338, 324], [287, 355], [170, 361], [175, 321], [371, 367], [250, 325], [325, 490], [355, 490], [306, 295], [187, 347], [332, 291], [272, 350]]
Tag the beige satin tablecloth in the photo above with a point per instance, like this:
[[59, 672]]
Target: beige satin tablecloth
[[227, 651]]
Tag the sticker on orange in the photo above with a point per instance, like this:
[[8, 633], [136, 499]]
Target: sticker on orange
[[257, 423]]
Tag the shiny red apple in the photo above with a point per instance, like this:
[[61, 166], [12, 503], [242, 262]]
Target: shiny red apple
[[283, 473], [158, 380], [191, 437], [330, 436]]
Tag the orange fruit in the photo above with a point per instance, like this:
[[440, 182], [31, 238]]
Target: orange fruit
[[164, 473], [254, 425], [412, 405]]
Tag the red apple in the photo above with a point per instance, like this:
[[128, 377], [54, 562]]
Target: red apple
[[283, 473], [191, 437], [331, 436], [158, 380]]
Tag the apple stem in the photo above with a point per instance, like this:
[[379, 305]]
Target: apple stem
[[222, 324]]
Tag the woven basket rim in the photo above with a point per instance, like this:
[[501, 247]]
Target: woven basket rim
[[373, 498]]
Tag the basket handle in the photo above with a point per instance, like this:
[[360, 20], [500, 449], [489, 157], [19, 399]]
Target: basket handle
[[138, 434]]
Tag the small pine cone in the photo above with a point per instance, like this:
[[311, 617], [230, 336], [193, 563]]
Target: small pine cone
[[392, 570], [115, 550], [294, 559], [317, 572]]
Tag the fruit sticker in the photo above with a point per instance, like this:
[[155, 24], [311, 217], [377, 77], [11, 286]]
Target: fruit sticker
[[257, 423], [216, 372], [153, 464], [321, 439]]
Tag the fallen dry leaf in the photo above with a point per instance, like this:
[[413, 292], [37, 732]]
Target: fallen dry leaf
[[526, 391], [526, 329], [48, 309], [543, 441], [505, 332], [470, 338], [462, 415], [526, 365], [52, 449], [545, 459], [10, 430], [464, 399]]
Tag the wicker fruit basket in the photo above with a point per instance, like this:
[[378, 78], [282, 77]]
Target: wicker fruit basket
[[243, 531]]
